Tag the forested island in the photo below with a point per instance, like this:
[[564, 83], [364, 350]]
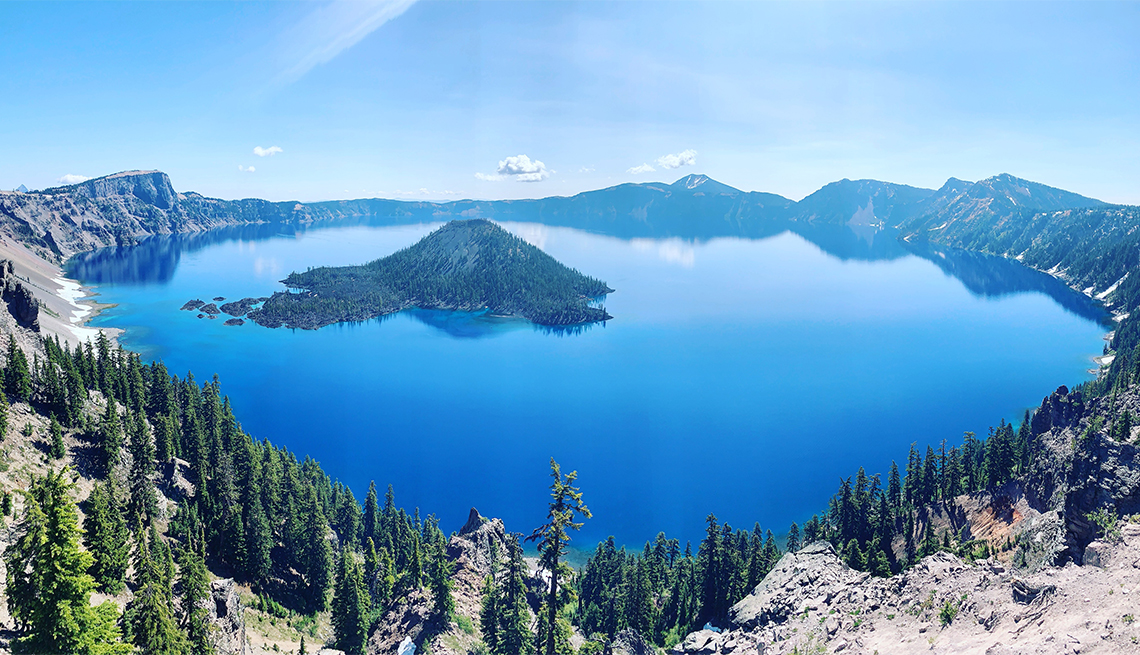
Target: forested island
[[470, 265]]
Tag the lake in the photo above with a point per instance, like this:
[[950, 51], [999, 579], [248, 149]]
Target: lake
[[741, 377]]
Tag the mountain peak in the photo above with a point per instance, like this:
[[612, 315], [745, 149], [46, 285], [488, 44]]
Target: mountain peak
[[698, 182], [151, 187], [692, 181]]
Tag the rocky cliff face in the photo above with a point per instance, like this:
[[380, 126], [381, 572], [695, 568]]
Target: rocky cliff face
[[21, 303], [150, 187], [117, 209], [1081, 468]]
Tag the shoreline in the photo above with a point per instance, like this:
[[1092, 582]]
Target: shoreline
[[66, 306]]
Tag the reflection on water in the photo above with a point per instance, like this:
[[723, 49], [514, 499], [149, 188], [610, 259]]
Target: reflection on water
[[155, 260], [990, 276]]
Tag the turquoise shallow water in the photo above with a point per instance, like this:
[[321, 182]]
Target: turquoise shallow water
[[741, 377]]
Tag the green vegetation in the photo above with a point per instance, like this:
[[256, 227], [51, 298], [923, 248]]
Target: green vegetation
[[48, 588], [1107, 523], [257, 512], [552, 537], [948, 612], [465, 265]]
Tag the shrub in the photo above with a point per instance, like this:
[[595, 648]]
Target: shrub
[[1107, 522], [948, 612]]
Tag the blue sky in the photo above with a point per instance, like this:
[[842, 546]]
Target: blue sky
[[443, 100]]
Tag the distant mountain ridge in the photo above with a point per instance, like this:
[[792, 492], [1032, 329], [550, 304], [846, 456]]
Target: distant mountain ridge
[[119, 208]]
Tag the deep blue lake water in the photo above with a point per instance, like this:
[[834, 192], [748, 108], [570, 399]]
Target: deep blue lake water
[[740, 377]]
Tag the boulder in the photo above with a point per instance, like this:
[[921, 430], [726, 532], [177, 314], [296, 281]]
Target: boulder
[[702, 642], [630, 642], [1098, 554]]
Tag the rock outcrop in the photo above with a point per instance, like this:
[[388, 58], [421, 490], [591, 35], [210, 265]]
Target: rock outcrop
[[811, 577], [228, 618], [630, 642], [473, 551], [812, 602], [480, 542], [21, 303]]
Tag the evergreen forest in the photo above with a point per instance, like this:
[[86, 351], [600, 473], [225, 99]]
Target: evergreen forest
[[467, 265]]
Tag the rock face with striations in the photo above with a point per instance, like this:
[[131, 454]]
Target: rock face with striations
[[150, 187], [21, 303]]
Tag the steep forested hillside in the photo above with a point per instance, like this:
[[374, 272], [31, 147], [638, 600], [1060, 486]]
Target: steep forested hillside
[[465, 265]]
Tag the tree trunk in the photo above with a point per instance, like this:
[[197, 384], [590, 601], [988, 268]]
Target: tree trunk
[[552, 609]]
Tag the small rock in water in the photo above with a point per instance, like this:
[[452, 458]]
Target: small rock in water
[[209, 309], [233, 321], [220, 299], [239, 308], [213, 316], [192, 304], [201, 316]]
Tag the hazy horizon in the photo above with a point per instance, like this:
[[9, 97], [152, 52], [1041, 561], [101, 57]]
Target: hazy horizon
[[441, 101]]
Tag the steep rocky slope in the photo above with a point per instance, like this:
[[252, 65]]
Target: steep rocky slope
[[813, 603], [116, 209]]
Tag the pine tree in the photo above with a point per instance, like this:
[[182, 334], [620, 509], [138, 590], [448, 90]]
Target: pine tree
[[58, 450], [258, 541], [317, 554], [371, 514], [565, 505], [143, 502], [195, 594], [150, 614], [106, 537], [350, 607], [17, 378], [110, 437], [48, 587], [443, 605], [384, 581], [793, 538], [514, 635], [489, 614]]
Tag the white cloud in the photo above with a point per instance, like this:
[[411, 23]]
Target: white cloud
[[683, 158], [519, 168], [331, 29], [585, 169], [246, 169], [644, 168], [72, 178], [266, 152]]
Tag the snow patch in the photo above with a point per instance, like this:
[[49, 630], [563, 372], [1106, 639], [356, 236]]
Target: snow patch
[[1104, 294], [72, 293]]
